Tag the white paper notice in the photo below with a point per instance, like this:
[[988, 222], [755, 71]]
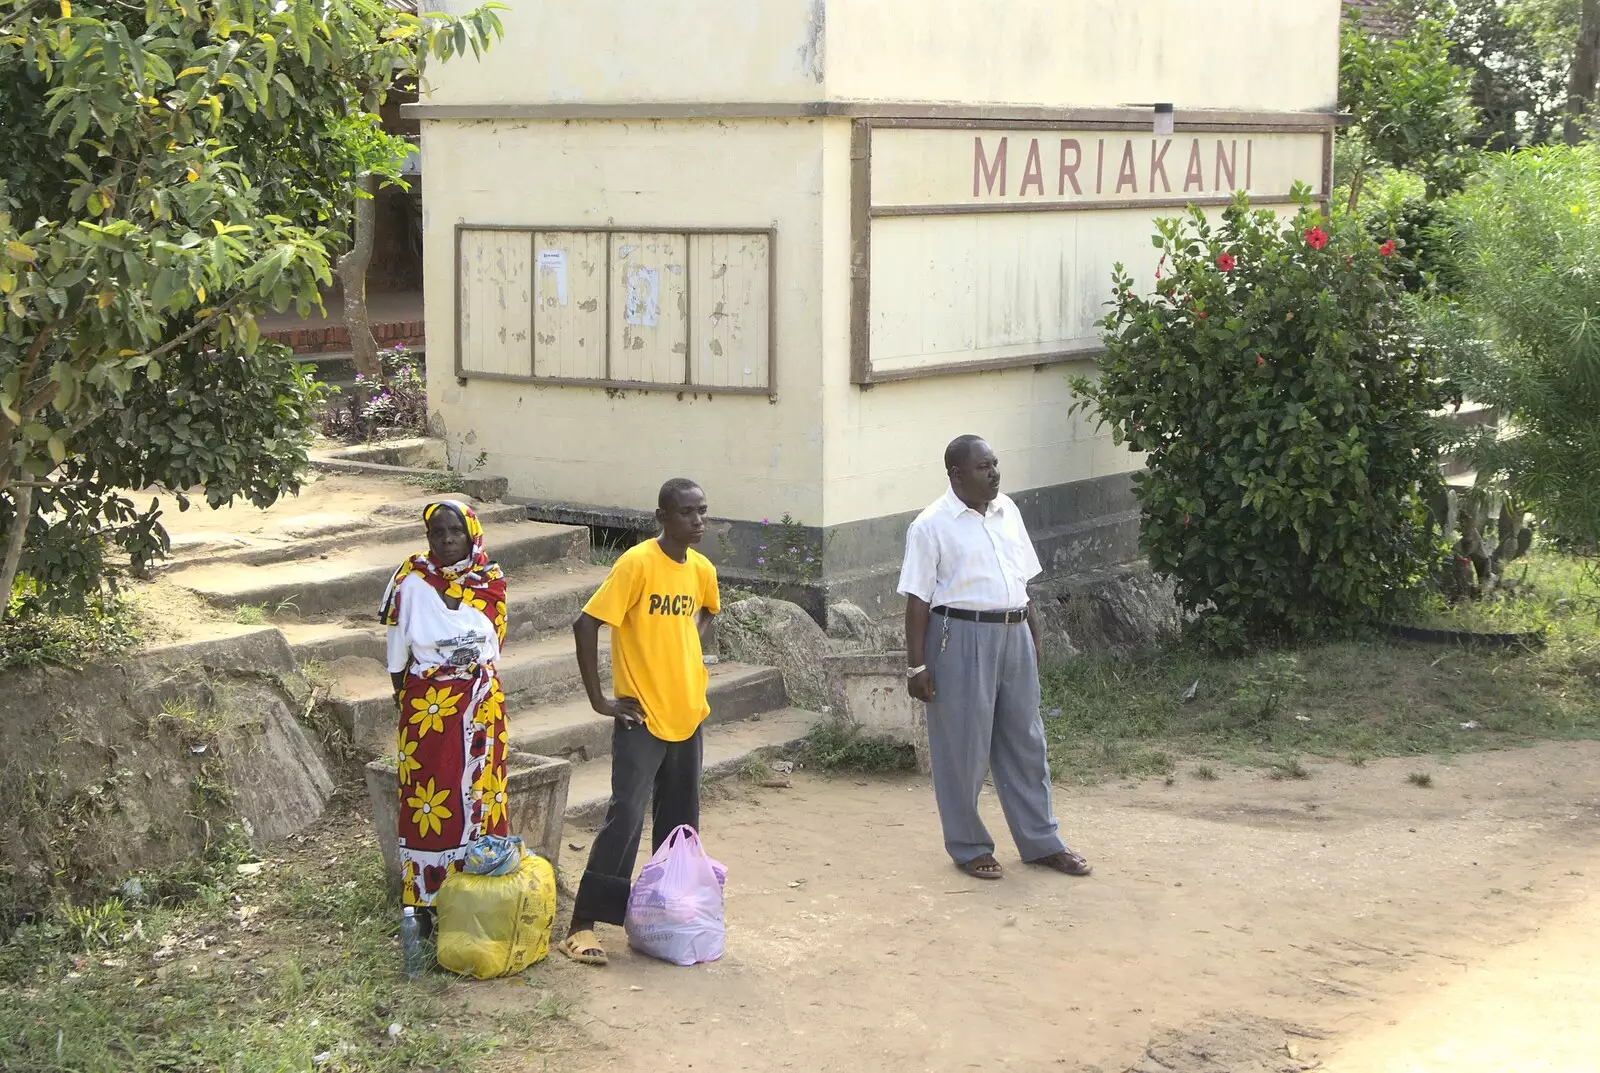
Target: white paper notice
[[643, 306], [556, 261]]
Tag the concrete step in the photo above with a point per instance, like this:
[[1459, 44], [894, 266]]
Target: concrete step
[[571, 729], [530, 674], [729, 746], [354, 578], [395, 523], [540, 600]]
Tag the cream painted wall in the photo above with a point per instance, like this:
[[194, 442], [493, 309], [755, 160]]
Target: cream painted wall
[[1279, 55], [1244, 54], [609, 52], [756, 459]]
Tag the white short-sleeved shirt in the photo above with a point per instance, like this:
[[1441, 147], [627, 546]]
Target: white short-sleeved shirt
[[956, 557], [429, 634]]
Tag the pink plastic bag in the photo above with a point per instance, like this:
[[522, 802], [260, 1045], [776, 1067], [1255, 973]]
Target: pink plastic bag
[[675, 908]]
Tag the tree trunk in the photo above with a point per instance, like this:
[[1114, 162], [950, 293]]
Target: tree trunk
[[22, 495], [1584, 79], [1356, 182], [353, 275]]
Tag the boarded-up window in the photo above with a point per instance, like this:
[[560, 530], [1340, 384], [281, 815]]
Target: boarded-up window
[[494, 306], [608, 306]]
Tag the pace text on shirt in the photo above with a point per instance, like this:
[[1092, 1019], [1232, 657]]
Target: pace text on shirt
[[651, 601]]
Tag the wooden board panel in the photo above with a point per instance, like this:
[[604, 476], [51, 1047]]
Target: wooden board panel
[[649, 316], [495, 302], [569, 317], [948, 290], [730, 307]]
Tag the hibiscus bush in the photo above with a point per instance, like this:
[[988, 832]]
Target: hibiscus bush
[[1283, 401]]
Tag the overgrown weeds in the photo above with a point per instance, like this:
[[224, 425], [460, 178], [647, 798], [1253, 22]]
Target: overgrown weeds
[[36, 637], [294, 965], [1352, 700], [837, 745]]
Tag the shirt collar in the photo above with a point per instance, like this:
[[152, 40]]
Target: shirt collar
[[955, 508]]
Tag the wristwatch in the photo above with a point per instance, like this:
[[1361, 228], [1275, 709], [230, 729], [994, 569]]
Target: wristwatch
[[912, 672]]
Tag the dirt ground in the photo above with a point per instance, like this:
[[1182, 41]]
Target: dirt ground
[[1352, 922]]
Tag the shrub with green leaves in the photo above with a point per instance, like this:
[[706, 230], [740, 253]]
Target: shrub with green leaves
[[1283, 401], [1529, 236]]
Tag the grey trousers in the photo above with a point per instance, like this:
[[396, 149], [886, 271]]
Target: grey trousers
[[985, 717]]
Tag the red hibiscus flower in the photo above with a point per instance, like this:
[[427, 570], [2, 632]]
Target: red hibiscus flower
[[1387, 249], [1202, 316], [1261, 359], [1316, 238], [1226, 262]]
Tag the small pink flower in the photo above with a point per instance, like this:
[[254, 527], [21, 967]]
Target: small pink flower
[[1226, 262], [1261, 359], [1387, 249]]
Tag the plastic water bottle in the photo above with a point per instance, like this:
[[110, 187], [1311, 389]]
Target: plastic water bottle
[[411, 943]]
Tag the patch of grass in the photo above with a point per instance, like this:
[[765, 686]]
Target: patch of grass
[[1420, 778], [36, 638], [835, 745], [1205, 773], [285, 967], [261, 614], [1353, 700], [1289, 767]]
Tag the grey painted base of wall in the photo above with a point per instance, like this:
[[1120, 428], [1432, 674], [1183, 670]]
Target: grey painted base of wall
[[1078, 528]]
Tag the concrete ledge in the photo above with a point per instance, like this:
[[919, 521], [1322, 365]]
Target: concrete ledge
[[869, 691], [571, 729], [411, 452], [487, 487], [358, 580], [728, 748], [411, 530], [536, 793]]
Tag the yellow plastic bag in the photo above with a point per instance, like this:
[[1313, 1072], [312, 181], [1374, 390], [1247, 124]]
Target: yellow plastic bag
[[492, 926]]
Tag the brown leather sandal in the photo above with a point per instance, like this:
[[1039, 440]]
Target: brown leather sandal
[[984, 867], [1065, 862]]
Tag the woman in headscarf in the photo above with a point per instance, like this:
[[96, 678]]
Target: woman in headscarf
[[446, 613]]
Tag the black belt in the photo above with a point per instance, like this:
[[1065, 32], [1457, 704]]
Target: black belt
[[996, 618]]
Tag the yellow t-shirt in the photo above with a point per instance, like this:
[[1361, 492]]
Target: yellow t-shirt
[[650, 601]]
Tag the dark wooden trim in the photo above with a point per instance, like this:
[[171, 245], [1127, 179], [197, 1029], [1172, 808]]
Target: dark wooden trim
[[1052, 357], [861, 253], [1070, 206], [618, 385], [909, 112], [455, 297]]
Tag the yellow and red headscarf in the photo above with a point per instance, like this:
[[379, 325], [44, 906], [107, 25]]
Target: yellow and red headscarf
[[475, 580]]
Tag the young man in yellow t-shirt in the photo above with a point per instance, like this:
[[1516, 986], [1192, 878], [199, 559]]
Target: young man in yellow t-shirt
[[659, 600]]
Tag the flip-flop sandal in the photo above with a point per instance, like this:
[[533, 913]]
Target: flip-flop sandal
[[584, 948], [1065, 862], [984, 867]]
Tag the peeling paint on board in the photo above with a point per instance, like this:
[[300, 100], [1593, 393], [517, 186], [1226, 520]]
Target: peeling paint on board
[[643, 303]]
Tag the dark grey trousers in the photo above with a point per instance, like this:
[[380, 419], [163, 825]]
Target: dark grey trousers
[[642, 766], [985, 718]]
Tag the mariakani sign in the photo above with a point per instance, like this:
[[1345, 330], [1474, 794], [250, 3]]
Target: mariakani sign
[[921, 170]]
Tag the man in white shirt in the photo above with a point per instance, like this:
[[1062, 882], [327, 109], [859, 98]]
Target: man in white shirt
[[972, 644]]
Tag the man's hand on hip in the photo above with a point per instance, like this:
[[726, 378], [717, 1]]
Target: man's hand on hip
[[625, 710]]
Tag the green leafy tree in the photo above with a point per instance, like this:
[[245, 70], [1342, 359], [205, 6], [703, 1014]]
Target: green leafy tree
[[1408, 105], [174, 168], [1519, 55], [1529, 234], [1282, 402]]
